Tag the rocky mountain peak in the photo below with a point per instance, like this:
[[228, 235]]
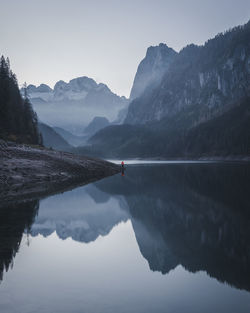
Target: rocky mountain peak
[[82, 83], [160, 50], [60, 85], [43, 88], [152, 68], [96, 124]]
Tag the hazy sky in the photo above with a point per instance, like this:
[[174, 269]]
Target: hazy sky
[[49, 40]]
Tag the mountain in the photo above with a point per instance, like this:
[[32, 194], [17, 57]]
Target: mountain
[[81, 88], [74, 104], [225, 135], [122, 114], [96, 124], [42, 92], [51, 139], [200, 107], [73, 140], [152, 68], [213, 77]]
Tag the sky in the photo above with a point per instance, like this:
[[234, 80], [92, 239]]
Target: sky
[[51, 40]]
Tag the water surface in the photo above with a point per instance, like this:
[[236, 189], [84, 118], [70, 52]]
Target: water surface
[[161, 238]]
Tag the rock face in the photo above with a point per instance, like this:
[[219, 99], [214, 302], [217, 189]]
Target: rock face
[[211, 77], [152, 68]]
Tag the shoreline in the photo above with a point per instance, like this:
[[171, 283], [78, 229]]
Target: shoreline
[[212, 159], [27, 171]]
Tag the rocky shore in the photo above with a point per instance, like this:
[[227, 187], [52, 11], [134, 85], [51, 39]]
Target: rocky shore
[[35, 172]]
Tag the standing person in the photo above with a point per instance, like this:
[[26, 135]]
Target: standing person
[[122, 163]]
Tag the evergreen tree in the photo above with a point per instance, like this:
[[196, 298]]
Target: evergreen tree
[[18, 121]]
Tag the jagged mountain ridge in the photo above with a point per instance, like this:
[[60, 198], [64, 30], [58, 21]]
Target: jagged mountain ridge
[[81, 88], [74, 104]]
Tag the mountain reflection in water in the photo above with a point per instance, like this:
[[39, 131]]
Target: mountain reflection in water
[[194, 215]]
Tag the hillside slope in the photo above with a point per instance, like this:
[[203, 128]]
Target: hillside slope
[[226, 135], [51, 139]]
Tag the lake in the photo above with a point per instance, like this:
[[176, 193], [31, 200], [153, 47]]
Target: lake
[[165, 237]]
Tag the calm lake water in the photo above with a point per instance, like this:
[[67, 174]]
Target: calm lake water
[[162, 238]]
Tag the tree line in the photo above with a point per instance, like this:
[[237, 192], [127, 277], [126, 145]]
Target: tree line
[[18, 121]]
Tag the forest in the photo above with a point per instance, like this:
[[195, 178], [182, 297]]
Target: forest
[[18, 121]]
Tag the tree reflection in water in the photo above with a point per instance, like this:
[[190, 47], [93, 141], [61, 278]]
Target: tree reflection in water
[[15, 219]]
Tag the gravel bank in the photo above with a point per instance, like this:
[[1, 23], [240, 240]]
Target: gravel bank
[[33, 172]]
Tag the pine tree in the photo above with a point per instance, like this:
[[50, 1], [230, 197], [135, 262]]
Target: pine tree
[[18, 121]]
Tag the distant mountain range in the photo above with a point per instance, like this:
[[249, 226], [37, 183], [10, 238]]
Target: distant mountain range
[[74, 104], [74, 140], [63, 140], [60, 139], [199, 105], [82, 89]]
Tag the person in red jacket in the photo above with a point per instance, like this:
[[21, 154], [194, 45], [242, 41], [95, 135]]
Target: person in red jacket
[[122, 164]]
